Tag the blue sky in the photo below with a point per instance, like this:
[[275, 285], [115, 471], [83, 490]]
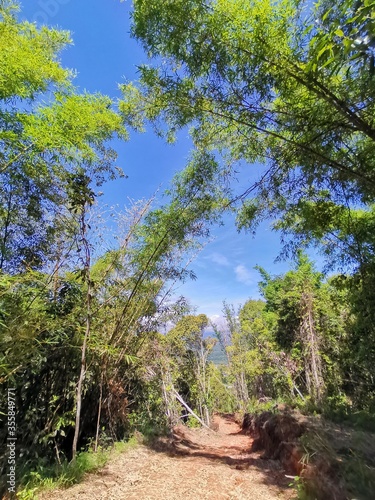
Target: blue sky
[[104, 55]]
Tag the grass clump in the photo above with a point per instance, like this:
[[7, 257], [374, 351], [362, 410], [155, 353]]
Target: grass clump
[[340, 463], [46, 477]]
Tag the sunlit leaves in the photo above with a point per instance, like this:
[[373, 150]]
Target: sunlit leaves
[[28, 59], [74, 126], [267, 82], [47, 131]]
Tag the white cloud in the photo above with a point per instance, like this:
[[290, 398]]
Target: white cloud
[[219, 321], [219, 258], [214, 317], [243, 275]]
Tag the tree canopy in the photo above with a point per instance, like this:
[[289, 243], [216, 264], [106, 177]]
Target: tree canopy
[[280, 83], [48, 131]]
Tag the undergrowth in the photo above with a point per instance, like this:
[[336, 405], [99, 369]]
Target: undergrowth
[[338, 450], [46, 477], [342, 459], [256, 406]]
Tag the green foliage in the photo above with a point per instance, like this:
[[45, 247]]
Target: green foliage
[[340, 410], [74, 128], [192, 422], [296, 345], [343, 463], [299, 487], [187, 334], [54, 303], [290, 87], [48, 130], [277, 83], [283, 295], [189, 352], [222, 396], [255, 368], [28, 58], [309, 323], [256, 406]]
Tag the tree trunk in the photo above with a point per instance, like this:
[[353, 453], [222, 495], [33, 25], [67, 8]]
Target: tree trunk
[[310, 341], [99, 412], [81, 379], [169, 399]]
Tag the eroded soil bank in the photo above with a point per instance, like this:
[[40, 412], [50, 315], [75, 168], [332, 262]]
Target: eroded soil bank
[[333, 462]]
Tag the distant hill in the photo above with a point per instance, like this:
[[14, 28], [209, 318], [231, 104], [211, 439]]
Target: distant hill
[[218, 356]]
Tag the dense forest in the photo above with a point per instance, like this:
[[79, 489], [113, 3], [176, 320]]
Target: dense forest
[[83, 348]]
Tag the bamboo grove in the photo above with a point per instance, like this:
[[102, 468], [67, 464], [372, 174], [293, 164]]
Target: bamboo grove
[[281, 84]]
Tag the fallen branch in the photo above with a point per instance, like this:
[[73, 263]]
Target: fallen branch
[[185, 405]]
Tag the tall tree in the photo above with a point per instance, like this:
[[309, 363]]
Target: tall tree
[[189, 347], [47, 131], [81, 197], [294, 297]]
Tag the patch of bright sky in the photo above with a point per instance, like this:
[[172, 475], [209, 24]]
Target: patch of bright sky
[[104, 55]]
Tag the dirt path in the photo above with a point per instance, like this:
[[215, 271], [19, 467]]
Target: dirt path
[[194, 465]]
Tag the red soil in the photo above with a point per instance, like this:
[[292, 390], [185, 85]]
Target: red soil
[[193, 464]]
